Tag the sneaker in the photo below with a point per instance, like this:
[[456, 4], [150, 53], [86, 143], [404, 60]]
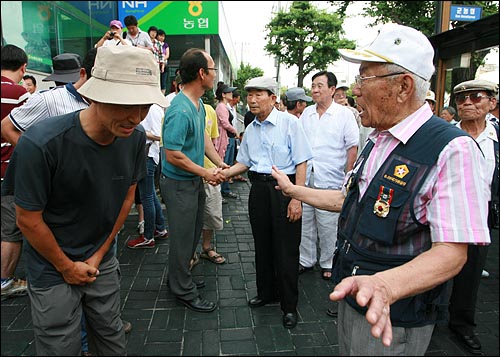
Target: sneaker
[[141, 242], [485, 274], [229, 194], [140, 227], [161, 234], [13, 287]]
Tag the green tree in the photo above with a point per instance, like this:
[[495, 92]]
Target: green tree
[[245, 72], [417, 14], [306, 37]]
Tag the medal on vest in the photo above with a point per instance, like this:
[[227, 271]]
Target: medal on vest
[[383, 203], [349, 183]]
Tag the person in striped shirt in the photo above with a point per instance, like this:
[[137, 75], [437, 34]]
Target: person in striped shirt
[[411, 206]]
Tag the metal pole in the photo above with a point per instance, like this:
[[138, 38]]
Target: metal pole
[[444, 20]]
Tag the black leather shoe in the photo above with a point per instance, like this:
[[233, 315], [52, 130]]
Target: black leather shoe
[[290, 320], [198, 304], [332, 311], [470, 340], [258, 302], [199, 284]]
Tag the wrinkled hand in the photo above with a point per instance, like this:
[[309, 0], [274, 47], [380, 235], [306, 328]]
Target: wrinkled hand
[[294, 210], [80, 273], [284, 182], [373, 292], [214, 176], [94, 261]]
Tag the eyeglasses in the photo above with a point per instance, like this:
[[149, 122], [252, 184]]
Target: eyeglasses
[[359, 80], [215, 69], [474, 98]]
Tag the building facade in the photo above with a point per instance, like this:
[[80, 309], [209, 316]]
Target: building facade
[[45, 29]]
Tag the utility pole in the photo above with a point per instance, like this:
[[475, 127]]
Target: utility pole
[[442, 25], [278, 62]]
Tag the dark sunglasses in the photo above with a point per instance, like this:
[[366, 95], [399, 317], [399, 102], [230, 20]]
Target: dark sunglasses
[[474, 98]]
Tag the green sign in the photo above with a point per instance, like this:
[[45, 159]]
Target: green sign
[[175, 17]]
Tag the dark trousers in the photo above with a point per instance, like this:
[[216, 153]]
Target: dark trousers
[[185, 201], [465, 288], [277, 244]]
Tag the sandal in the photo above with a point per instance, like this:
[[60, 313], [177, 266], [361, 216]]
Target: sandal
[[195, 260], [216, 258], [326, 273]]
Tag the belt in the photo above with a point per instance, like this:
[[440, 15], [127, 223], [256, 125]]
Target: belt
[[255, 176]]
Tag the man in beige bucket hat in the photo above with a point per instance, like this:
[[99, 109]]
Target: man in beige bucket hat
[[74, 178]]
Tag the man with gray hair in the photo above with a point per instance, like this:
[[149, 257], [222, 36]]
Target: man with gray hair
[[407, 214], [62, 171], [296, 101], [273, 138]]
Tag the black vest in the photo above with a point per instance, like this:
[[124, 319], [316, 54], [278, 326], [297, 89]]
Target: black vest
[[369, 242]]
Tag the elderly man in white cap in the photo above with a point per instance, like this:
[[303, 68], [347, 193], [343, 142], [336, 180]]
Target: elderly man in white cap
[[474, 99], [74, 177], [273, 138], [430, 98], [414, 202]]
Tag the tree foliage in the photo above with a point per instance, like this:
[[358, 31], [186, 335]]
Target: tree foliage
[[417, 14], [306, 37], [246, 72]]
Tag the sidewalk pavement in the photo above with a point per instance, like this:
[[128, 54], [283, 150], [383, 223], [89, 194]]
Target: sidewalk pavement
[[163, 327]]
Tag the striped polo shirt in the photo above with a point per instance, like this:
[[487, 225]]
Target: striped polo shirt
[[45, 104]]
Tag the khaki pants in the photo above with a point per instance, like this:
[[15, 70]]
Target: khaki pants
[[57, 311]]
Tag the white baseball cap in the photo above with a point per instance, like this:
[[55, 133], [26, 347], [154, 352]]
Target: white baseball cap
[[398, 44], [431, 96]]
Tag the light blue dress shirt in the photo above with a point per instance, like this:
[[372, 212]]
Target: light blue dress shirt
[[279, 140]]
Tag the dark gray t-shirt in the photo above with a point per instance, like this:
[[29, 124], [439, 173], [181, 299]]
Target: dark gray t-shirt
[[78, 184]]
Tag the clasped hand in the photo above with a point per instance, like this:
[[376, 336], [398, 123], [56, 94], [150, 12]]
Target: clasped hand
[[215, 176], [80, 273]]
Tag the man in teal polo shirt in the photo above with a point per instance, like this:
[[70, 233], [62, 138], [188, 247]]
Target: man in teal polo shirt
[[181, 182]]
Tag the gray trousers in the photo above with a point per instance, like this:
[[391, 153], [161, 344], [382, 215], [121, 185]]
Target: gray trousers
[[185, 202], [355, 338], [57, 313]]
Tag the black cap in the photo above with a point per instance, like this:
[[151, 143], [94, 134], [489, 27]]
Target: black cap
[[66, 68]]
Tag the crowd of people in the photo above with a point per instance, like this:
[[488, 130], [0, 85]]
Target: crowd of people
[[350, 184]]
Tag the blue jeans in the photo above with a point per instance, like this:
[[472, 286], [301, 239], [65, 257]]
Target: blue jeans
[[85, 344], [153, 213], [228, 159]]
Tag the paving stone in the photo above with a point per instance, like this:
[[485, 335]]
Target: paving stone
[[164, 327]]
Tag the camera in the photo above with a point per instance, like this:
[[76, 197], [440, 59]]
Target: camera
[[111, 35]]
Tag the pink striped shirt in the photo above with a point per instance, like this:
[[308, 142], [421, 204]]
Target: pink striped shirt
[[454, 197]]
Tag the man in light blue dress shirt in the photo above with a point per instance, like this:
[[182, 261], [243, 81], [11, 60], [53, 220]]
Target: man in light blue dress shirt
[[273, 138]]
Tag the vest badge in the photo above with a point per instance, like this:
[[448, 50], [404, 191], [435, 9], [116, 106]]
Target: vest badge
[[382, 205]]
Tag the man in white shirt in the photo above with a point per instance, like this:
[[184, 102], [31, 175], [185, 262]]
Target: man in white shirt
[[135, 35], [334, 135]]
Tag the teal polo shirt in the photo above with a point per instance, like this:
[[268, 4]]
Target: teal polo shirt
[[183, 130]]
